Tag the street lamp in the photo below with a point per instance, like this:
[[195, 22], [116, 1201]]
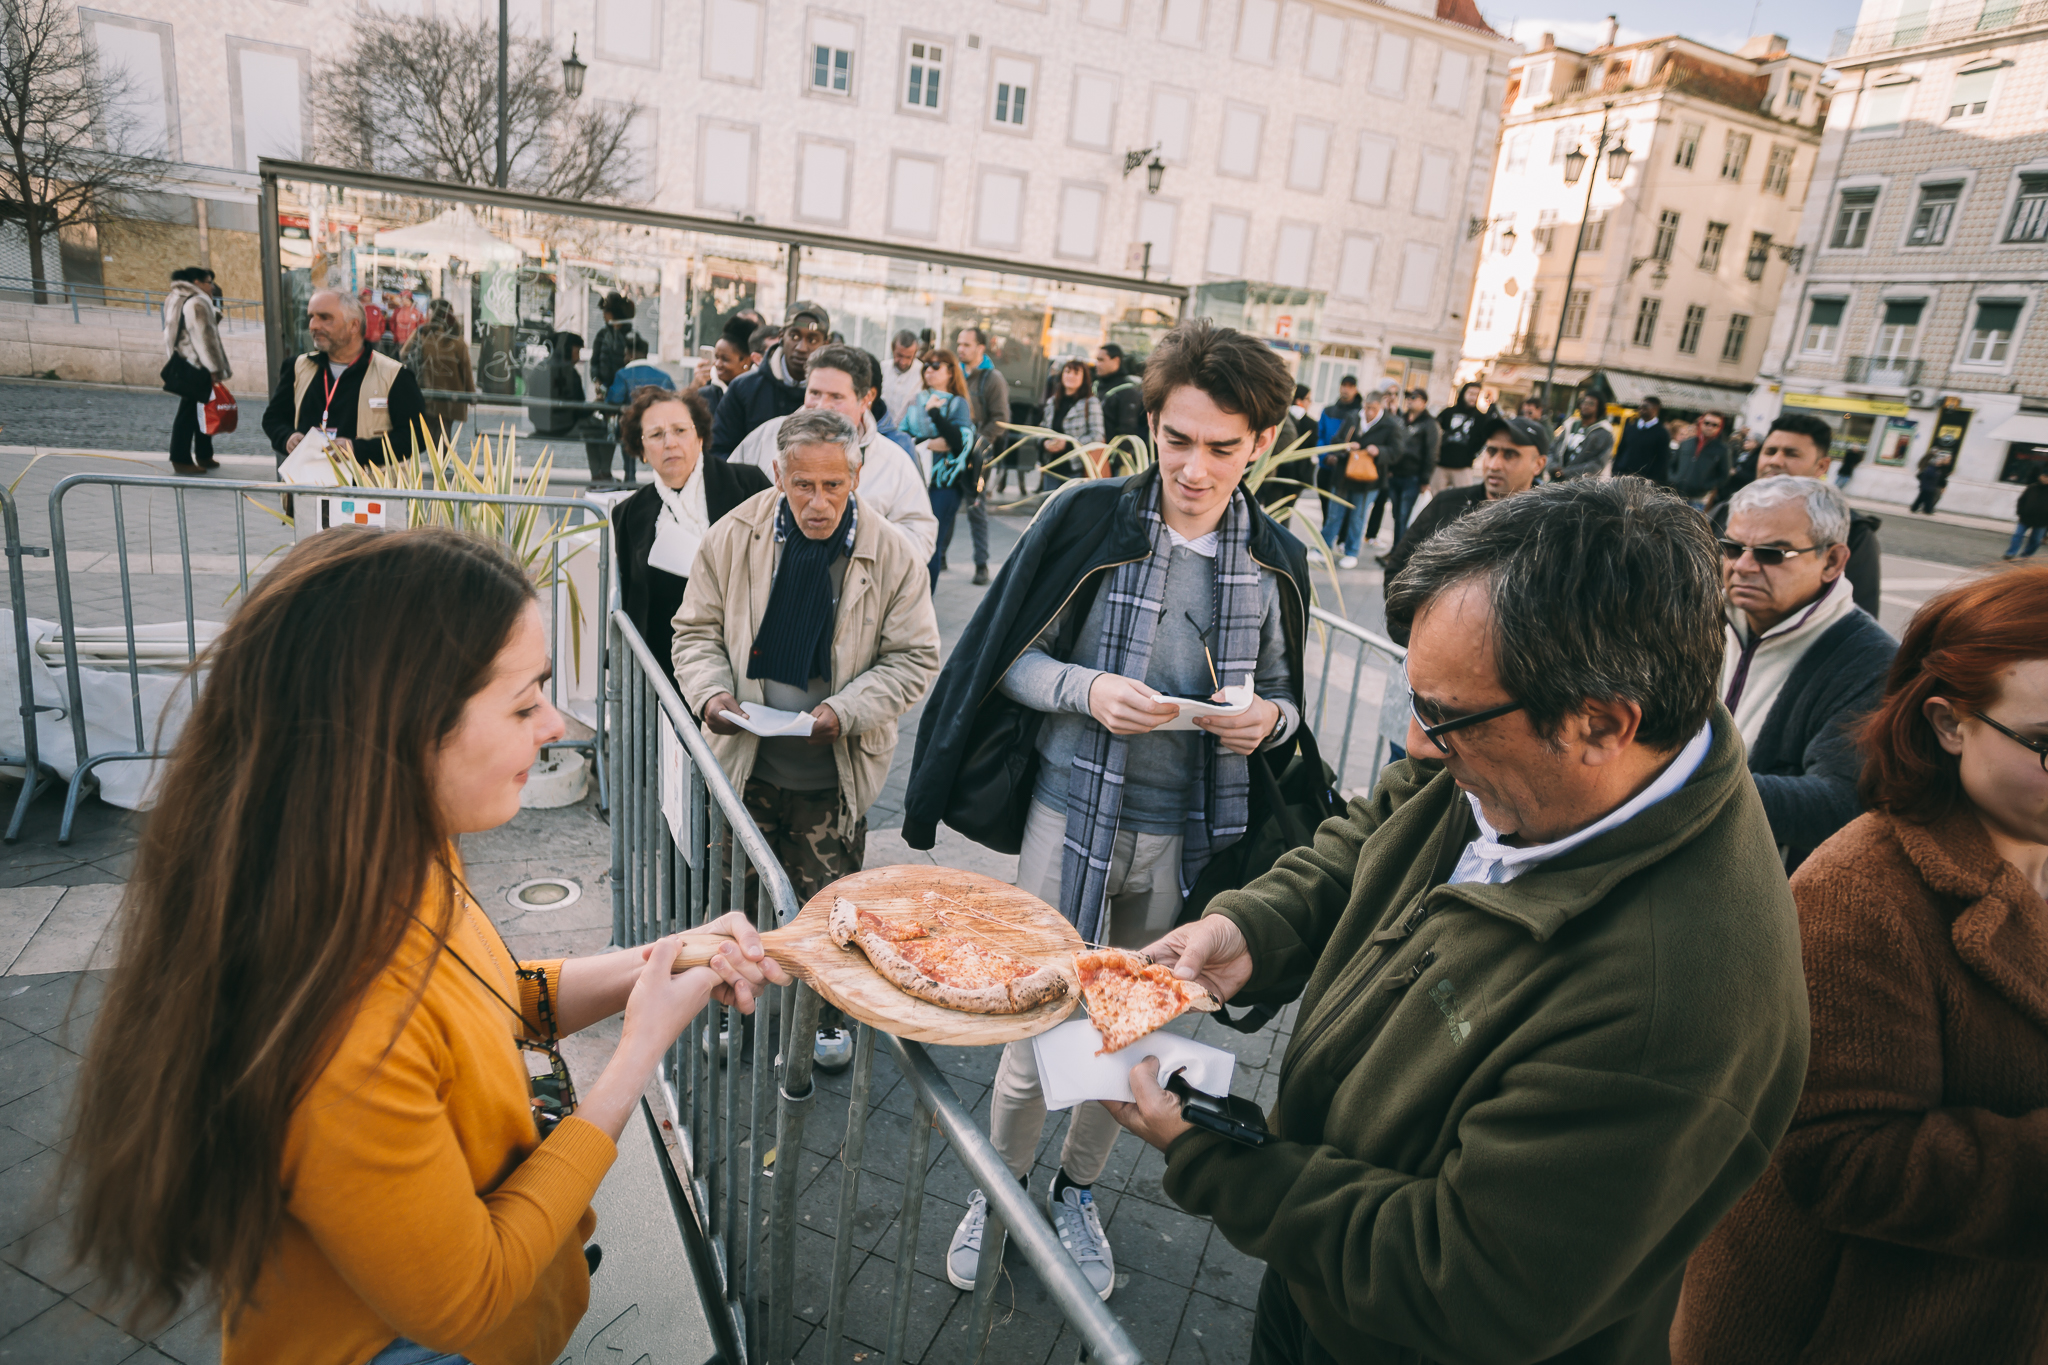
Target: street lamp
[[1155, 171], [1507, 242], [1574, 167], [572, 71]]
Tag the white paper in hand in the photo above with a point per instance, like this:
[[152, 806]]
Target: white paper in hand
[[1069, 1071], [1237, 701], [770, 722], [308, 464]]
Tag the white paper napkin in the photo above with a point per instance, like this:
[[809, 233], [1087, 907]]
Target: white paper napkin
[[1069, 1071], [771, 722], [1239, 698]]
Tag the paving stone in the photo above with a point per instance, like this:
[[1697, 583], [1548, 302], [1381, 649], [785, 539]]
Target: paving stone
[[1228, 1273], [45, 1254], [871, 1297], [1167, 1242], [25, 1196], [1150, 1310], [1212, 1332], [193, 1340], [10, 1034], [17, 1147], [42, 1114], [40, 1003], [70, 1333], [22, 1298], [31, 1064], [22, 911], [1014, 1338]]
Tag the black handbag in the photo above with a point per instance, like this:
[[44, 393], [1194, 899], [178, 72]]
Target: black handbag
[[186, 380]]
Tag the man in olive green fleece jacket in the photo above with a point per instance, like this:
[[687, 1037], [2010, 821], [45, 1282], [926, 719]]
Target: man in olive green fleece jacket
[[1552, 1015]]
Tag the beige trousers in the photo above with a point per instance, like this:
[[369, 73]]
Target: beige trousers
[[1144, 899]]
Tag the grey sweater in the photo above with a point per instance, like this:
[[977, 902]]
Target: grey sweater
[[1158, 768]]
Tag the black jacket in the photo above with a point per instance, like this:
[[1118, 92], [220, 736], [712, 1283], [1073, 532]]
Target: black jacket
[[1123, 405], [560, 388], [976, 758], [1440, 511], [407, 407], [1866, 557], [652, 596], [1644, 450], [2033, 508], [755, 398], [1805, 758], [1697, 470], [1459, 424], [1425, 439]]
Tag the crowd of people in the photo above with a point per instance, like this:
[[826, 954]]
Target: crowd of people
[[1676, 993]]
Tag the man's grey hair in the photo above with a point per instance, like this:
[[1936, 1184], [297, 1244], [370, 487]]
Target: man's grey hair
[[351, 307], [905, 337], [1604, 590], [817, 427], [1827, 511]]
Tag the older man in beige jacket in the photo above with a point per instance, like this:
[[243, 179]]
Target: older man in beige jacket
[[804, 601]]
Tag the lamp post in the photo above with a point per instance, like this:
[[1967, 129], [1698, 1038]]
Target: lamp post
[[573, 68], [1574, 167], [504, 77]]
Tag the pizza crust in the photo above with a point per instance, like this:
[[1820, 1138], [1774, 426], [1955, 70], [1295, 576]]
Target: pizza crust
[[1128, 996], [1022, 993]]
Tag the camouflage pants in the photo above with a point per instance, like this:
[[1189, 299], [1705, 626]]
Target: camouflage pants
[[798, 827]]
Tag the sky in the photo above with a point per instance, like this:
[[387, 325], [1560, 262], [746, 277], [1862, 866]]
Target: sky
[[1580, 24]]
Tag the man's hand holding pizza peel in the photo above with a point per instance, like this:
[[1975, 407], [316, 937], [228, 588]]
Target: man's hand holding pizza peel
[[1212, 953]]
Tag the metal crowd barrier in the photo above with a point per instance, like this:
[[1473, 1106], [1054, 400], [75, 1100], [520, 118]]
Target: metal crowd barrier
[[1334, 717], [538, 519], [35, 774], [684, 851]]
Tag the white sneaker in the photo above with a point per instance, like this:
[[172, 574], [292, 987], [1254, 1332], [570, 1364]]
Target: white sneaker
[[1348, 562], [963, 1257], [1075, 1219]]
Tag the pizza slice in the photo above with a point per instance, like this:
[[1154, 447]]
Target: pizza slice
[[957, 973], [1129, 996]]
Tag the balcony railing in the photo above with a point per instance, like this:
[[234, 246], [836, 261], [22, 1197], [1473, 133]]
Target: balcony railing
[[1945, 21], [1882, 371]]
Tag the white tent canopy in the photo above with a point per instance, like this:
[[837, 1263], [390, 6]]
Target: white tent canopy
[[453, 232]]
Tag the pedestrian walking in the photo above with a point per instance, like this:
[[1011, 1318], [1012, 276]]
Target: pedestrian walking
[[1120, 387], [1551, 1017], [1584, 442], [904, 379], [1075, 410], [1121, 590], [774, 385], [1851, 458], [988, 395], [940, 421], [1901, 1220], [1378, 435], [2033, 513], [441, 362], [363, 401], [345, 1153], [1935, 467], [1331, 424], [1412, 472], [1458, 450], [191, 335]]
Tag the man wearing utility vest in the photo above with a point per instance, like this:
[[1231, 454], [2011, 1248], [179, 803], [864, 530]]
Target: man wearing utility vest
[[344, 388]]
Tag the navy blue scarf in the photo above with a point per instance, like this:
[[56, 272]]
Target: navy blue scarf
[[794, 644]]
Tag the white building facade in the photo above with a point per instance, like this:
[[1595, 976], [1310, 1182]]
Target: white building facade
[[1681, 260], [1917, 323], [1327, 154]]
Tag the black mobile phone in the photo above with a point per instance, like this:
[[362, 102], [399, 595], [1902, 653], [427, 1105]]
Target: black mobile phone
[[1233, 1116]]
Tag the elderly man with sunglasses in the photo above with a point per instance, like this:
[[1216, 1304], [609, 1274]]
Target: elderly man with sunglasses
[[1552, 1018], [1803, 661]]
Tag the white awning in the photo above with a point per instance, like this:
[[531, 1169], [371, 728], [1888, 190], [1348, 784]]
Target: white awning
[[2026, 428], [1631, 388]]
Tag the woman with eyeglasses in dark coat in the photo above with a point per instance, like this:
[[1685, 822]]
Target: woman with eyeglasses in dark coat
[[655, 532]]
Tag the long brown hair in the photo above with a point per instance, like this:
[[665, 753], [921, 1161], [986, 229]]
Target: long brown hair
[[954, 382], [287, 854], [1957, 647]]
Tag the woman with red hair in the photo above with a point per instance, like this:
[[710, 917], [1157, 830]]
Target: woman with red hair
[[1905, 1215]]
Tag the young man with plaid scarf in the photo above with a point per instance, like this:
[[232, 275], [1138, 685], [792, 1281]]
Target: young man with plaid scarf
[[1042, 736]]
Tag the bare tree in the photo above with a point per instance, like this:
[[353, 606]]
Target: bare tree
[[69, 145], [419, 97]]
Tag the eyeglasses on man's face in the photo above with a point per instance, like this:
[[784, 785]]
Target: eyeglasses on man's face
[[1435, 725], [1767, 556], [2038, 747]]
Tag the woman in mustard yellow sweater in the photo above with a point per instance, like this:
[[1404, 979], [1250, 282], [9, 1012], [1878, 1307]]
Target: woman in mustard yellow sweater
[[305, 1093]]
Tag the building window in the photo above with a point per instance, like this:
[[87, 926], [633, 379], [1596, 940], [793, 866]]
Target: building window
[[1895, 334], [1354, 267], [1593, 232], [1092, 119], [1667, 235], [1795, 93], [1937, 210], [1710, 246], [1852, 219], [927, 68], [1646, 321], [1695, 323], [1518, 154], [1243, 130], [832, 42], [1180, 22], [1733, 157], [1885, 108], [2030, 211], [1823, 323], [1576, 305], [1778, 175], [1325, 46], [1158, 225], [1689, 145], [1390, 64], [1991, 339], [1010, 102], [1562, 139], [1503, 238], [1737, 338], [1227, 232], [1482, 313], [1972, 94], [1759, 256], [1544, 237]]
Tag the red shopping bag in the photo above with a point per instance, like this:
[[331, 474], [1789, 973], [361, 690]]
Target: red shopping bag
[[217, 418]]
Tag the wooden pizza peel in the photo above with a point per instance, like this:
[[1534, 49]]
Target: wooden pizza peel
[[990, 913]]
